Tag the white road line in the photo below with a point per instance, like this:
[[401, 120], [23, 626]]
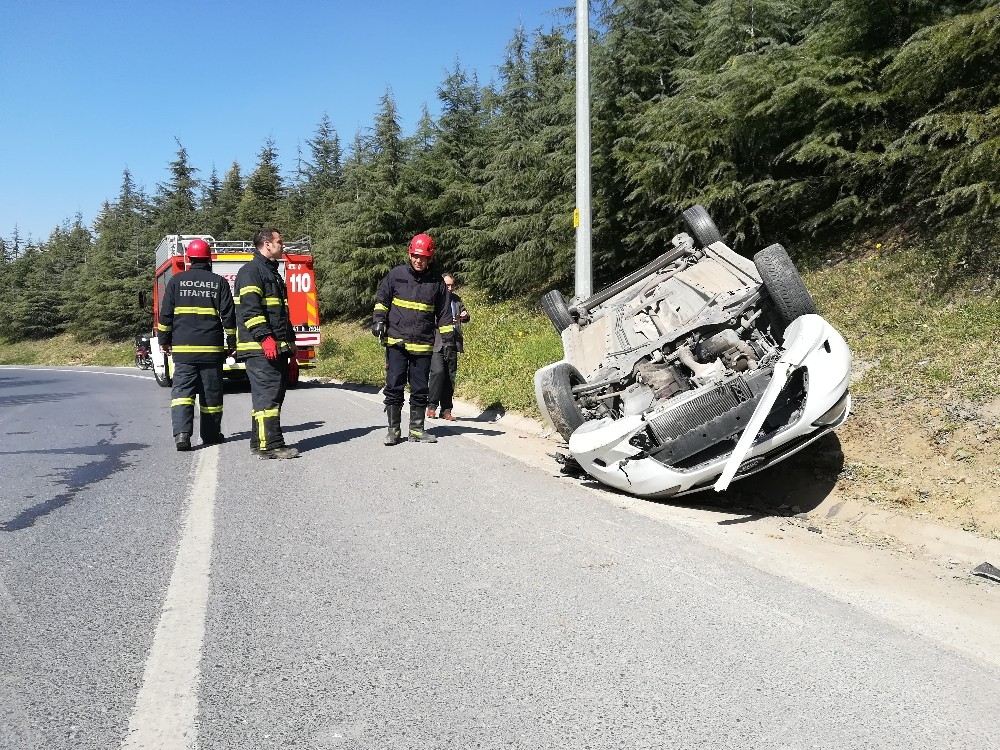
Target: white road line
[[93, 372], [167, 703]]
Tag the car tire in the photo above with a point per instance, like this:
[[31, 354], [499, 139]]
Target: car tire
[[164, 380], [788, 294], [554, 306], [557, 393], [701, 226]]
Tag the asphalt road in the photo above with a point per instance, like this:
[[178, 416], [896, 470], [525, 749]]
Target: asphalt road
[[423, 596]]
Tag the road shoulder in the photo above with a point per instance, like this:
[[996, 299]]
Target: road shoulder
[[910, 572]]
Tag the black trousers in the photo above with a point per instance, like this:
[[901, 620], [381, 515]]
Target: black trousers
[[444, 369], [204, 382], [400, 366], [268, 383]]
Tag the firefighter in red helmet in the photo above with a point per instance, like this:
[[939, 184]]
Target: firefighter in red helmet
[[197, 327], [411, 304]]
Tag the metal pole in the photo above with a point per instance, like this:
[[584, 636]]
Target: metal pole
[[581, 217]]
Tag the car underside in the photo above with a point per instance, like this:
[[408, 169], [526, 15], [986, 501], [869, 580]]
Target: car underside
[[666, 371]]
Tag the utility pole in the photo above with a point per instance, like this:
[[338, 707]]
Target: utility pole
[[581, 216]]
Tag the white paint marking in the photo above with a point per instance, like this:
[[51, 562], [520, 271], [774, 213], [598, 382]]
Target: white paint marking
[[93, 372], [167, 703]]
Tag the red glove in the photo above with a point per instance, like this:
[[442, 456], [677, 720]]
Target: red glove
[[270, 347]]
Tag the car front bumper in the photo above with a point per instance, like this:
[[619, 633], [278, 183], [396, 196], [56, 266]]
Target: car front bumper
[[603, 447]]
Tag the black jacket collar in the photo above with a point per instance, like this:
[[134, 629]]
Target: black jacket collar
[[272, 264]]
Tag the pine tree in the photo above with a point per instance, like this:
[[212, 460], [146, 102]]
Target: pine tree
[[366, 233], [454, 166], [259, 202], [324, 172], [41, 308], [221, 217], [208, 206], [291, 213], [420, 173], [634, 67], [527, 221], [730, 28], [104, 305], [6, 288], [174, 207]]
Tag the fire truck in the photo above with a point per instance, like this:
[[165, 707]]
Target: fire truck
[[296, 267]]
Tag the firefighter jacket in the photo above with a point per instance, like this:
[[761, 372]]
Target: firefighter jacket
[[196, 319], [261, 308], [414, 307], [457, 308]]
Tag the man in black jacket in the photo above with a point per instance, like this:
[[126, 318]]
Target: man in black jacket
[[197, 326], [444, 361], [411, 306], [265, 341]]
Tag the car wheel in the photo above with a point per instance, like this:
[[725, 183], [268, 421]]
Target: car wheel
[[557, 393], [164, 380], [701, 226], [788, 294], [554, 306]]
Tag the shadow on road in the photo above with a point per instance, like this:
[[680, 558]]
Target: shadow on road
[[8, 382], [234, 437], [492, 413], [35, 398], [449, 429], [334, 438], [353, 387], [111, 458], [798, 484]]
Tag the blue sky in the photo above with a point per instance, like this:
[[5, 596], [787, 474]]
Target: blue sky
[[89, 87]]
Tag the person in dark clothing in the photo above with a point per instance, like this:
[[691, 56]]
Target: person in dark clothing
[[265, 342], [197, 327], [411, 308], [444, 360]]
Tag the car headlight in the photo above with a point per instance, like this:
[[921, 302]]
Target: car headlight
[[833, 414]]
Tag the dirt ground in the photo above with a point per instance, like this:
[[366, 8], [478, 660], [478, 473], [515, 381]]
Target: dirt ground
[[941, 464], [918, 460]]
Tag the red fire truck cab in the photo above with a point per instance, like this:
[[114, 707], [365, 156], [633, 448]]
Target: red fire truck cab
[[227, 258]]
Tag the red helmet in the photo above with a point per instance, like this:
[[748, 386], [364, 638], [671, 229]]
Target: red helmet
[[198, 250], [422, 245]]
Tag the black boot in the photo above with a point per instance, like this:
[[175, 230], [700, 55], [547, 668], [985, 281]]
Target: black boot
[[282, 451], [183, 441], [417, 433], [395, 414]]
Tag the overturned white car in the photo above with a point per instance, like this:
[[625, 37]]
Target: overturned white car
[[700, 368]]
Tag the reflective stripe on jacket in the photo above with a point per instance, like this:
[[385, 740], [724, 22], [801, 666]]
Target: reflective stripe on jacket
[[197, 319], [414, 308], [457, 307], [261, 308]]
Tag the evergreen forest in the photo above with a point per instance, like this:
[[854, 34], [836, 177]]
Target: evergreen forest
[[814, 123]]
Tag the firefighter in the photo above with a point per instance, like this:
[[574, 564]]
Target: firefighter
[[197, 326], [410, 305], [265, 341]]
